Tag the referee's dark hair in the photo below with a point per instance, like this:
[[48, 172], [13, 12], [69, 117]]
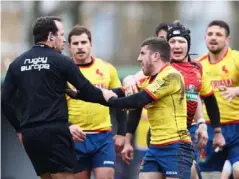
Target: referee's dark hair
[[158, 45], [43, 26]]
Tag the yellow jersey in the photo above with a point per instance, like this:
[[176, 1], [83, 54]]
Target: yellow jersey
[[92, 116], [141, 132], [225, 72], [167, 115]]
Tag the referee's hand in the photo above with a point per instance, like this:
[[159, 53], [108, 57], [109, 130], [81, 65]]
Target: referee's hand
[[108, 94], [77, 134]]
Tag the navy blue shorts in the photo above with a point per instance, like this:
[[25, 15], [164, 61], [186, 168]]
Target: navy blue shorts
[[214, 161], [174, 160], [96, 151]]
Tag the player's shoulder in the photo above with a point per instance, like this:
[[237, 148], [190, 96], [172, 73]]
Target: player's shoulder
[[202, 58], [170, 71], [197, 65], [196, 62], [103, 62], [234, 53]]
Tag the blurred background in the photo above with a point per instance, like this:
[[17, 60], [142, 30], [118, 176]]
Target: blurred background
[[118, 28]]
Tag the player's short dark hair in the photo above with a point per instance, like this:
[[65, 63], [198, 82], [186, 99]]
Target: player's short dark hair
[[79, 30], [43, 26], [221, 24], [158, 45], [161, 26]]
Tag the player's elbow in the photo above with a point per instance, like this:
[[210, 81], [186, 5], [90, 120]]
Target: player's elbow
[[210, 100]]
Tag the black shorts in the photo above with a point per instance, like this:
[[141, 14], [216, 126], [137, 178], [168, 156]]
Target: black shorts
[[50, 148]]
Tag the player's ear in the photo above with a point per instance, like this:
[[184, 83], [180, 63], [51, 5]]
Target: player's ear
[[228, 40], [50, 36], [156, 56]]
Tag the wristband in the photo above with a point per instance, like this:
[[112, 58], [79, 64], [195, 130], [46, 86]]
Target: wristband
[[201, 121], [217, 131]]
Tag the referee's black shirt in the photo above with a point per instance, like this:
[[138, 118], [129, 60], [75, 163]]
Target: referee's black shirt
[[41, 75]]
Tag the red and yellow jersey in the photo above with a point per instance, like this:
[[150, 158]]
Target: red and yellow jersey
[[168, 113], [224, 73], [141, 132], [195, 83], [92, 116]]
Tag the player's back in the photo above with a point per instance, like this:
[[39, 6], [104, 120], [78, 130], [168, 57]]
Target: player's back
[[168, 114], [41, 84]]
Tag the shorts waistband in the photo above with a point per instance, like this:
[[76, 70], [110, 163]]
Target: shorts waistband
[[96, 131]]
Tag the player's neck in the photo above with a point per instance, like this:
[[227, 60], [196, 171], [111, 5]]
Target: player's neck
[[159, 68], [83, 61], [47, 43], [217, 57], [185, 59]]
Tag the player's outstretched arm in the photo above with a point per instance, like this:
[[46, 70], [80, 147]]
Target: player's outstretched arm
[[138, 100]]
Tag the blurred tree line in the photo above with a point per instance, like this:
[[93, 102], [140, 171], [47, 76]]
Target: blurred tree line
[[128, 40]]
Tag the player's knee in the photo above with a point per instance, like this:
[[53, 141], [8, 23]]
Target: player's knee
[[150, 175], [235, 168], [227, 170], [83, 175], [104, 173], [211, 175], [45, 176], [63, 175], [194, 171]]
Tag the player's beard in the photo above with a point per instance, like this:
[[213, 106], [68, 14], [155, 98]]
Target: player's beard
[[84, 57], [216, 51]]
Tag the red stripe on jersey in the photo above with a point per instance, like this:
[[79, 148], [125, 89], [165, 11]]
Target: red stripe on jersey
[[193, 81], [151, 94]]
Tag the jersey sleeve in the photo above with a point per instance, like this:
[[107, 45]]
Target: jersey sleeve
[[164, 86], [206, 88], [114, 78]]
